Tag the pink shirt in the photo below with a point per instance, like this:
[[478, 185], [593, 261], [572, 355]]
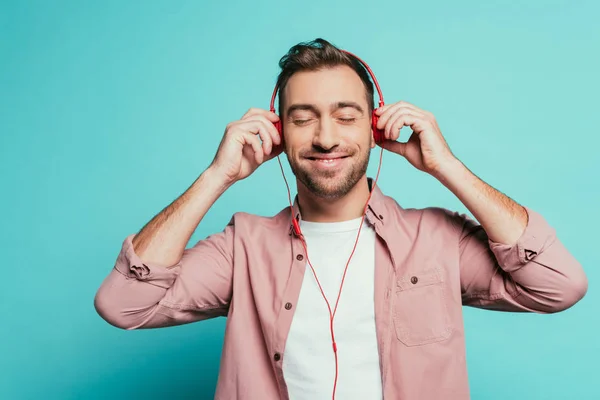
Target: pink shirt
[[428, 264]]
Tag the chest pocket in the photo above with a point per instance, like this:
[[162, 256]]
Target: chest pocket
[[419, 311]]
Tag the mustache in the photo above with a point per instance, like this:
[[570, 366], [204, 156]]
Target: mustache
[[316, 151]]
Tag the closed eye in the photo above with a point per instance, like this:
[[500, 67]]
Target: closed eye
[[301, 122], [347, 120]]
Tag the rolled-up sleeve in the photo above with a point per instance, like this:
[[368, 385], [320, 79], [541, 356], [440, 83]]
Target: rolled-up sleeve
[[137, 294], [535, 274]]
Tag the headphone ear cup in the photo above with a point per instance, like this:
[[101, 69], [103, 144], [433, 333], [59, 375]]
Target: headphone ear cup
[[378, 134], [279, 129], [278, 126]]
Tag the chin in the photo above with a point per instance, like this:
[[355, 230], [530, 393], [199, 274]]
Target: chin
[[332, 186], [334, 183]]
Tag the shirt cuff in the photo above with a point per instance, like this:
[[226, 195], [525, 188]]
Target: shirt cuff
[[131, 265], [538, 235]]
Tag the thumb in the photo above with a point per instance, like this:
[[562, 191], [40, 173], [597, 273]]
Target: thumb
[[271, 116], [395, 147], [275, 151]]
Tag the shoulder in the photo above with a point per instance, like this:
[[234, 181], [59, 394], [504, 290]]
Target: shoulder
[[430, 217], [252, 224]]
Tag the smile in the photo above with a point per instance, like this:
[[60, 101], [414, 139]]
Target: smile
[[326, 162]]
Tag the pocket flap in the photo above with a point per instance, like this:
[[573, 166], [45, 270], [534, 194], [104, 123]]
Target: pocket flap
[[420, 279]]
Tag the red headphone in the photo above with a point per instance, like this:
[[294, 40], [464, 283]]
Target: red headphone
[[378, 134]]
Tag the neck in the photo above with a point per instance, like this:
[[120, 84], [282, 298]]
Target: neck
[[318, 209]]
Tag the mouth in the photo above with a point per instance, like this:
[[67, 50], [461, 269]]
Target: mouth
[[327, 161]]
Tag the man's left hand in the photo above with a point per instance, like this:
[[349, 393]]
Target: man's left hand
[[426, 148]]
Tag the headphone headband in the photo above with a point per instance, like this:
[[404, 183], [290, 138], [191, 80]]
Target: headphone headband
[[381, 102]]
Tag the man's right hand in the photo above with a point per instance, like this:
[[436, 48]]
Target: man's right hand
[[240, 152]]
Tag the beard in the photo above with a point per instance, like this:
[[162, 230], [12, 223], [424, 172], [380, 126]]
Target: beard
[[332, 184]]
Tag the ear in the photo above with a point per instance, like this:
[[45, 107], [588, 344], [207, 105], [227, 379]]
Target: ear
[[373, 123], [282, 136], [373, 143]]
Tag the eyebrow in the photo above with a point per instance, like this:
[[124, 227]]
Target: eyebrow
[[345, 104], [303, 107], [334, 107]]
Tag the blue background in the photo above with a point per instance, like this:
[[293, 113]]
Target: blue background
[[110, 110]]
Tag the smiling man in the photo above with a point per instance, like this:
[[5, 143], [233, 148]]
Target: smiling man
[[395, 331]]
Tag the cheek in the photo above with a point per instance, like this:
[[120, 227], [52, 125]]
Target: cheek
[[363, 133], [291, 150], [295, 143], [364, 138]]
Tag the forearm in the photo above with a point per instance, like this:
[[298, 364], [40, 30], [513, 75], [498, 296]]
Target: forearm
[[162, 241], [131, 295], [503, 219]]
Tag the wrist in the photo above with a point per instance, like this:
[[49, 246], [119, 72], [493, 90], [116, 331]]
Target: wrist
[[449, 171], [216, 174], [211, 180]]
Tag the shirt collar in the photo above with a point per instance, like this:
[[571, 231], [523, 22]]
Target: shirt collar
[[375, 210]]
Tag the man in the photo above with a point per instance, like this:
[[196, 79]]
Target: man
[[398, 322]]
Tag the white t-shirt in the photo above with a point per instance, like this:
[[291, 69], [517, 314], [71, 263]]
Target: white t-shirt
[[309, 363]]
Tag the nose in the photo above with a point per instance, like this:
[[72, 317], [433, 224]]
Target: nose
[[326, 135]]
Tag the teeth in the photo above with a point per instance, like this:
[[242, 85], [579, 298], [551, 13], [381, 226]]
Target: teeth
[[326, 160]]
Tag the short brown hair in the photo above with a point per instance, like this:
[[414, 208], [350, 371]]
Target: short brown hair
[[315, 55]]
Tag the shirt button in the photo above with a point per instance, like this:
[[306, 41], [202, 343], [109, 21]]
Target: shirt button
[[277, 357], [529, 254], [414, 280], [299, 257], [288, 306]]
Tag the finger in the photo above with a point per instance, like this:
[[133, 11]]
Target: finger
[[265, 134], [277, 150], [396, 123], [385, 116], [401, 103], [271, 116], [411, 106], [390, 120], [405, 119], [252, 140], [395, 147], [253, 111], [384, 108], [273, 132], [260, 126]]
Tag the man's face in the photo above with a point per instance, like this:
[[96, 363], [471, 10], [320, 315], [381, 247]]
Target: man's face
[[327, 130]]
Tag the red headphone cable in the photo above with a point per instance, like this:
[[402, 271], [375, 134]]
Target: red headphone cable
[[298, 232], [379, 137]]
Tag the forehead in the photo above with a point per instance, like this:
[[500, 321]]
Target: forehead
[[324, 87]]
